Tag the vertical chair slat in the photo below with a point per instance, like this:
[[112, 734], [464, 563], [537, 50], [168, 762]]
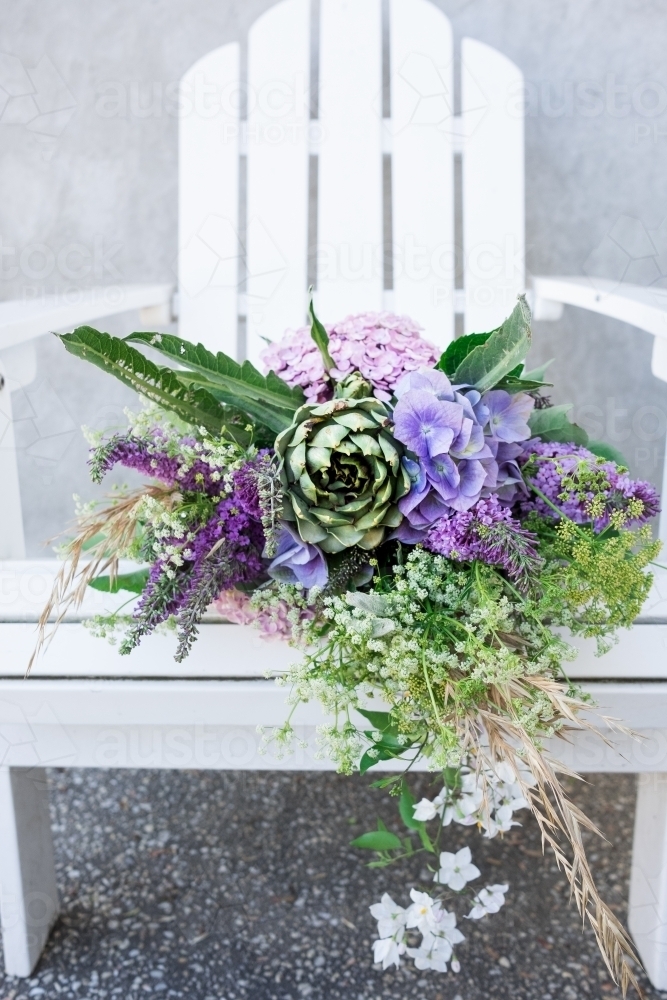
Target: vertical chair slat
[[208, 194], [350, 252], [493, 185], [422, 128], [278, 110]]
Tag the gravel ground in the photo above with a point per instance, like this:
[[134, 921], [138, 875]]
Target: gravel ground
[[220, 886]]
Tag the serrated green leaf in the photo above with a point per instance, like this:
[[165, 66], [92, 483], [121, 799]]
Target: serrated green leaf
[[377, 840], [276, 420], [489, 362], [241, 383], [133, 582], [160, 385], [552, 424], [604, 450], [320, 336], [458, 350]]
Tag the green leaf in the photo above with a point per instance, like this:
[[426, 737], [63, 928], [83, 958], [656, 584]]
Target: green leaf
[[377, 840], [426, 840], [406, 806], [160, 385], [512, 384], [604, 450], [240, 382], [539, 372], [378, 720], [320, 336], [458, 350], [487, 363], [552, 424], [276, 420], [134, 582]]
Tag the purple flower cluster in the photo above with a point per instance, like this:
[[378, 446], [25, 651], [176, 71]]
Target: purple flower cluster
[[465, 446], [583, 488], [226, 551], [149, 456], [381, 346], [297, 561], [488, 533]]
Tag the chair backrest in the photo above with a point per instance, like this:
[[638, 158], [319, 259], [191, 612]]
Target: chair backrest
[[325, 152]]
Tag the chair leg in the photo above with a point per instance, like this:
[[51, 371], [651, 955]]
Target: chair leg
[[28, 893], [647, 917]]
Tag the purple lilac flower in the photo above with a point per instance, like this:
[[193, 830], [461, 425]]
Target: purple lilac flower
[[550, 462], [381, 346], [297, 561], [226, 551], [488, 533], [149, 455]]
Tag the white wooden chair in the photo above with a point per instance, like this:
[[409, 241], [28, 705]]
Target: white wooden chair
[[354, 152]]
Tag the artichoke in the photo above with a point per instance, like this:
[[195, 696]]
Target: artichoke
[[341, 470]]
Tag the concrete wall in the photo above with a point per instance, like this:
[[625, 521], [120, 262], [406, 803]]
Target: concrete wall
[[70, 173]]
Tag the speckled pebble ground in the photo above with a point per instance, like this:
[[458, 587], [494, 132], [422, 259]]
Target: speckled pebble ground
[[214, 886]]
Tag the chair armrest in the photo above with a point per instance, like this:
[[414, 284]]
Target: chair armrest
[[645, 308], [22, 320], [642, 307]]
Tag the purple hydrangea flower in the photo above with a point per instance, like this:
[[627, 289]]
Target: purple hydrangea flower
[[488, 533], [551, 462], [381, 346], [298, 562], [440, 426], [508, 415]]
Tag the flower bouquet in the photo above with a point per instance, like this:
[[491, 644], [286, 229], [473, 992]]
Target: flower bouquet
[[423, 527]]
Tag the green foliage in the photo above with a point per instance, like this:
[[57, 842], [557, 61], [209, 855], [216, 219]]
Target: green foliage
[[320, 336], [377, 840], [267, 399], [487, 363], [552, 424], [608, 452], [161, 385], [459, 349], [132, 582]]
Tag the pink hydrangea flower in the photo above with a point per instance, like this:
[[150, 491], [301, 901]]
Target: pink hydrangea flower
[[272, 622], [381, 346]]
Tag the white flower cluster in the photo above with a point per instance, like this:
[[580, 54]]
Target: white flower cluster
[[428, 917], [487, 800]]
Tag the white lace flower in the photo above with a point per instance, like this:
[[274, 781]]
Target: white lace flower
[[390, 916], [388, 951], [456, 869], [489, 900]]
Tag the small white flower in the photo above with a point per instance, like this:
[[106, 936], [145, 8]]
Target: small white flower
[[390, 916], [456, 869], [433, 953], [425, 810], [388, 952], [456, 965], [489, 900], [424, 911]]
